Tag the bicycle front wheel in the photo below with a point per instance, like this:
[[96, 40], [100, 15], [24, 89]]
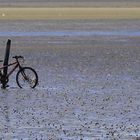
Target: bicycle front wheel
[[27, 77]]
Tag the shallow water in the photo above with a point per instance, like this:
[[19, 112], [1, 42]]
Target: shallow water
[[71, 33]]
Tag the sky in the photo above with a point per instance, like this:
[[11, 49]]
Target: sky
[[11, 1]]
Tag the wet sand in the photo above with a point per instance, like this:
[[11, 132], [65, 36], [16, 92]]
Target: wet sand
[[88, 85]]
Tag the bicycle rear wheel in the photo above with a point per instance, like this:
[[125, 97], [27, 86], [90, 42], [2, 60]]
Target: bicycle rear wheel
[[27, 77]]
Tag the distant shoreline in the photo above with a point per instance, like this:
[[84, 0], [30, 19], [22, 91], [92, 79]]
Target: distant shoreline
[[32, 13]]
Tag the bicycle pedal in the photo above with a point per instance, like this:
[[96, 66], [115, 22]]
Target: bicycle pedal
[[4, 87]]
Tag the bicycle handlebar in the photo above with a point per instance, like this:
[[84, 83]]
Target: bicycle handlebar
[[17, 57]]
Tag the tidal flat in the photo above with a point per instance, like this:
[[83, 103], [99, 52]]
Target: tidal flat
[[88, 85]]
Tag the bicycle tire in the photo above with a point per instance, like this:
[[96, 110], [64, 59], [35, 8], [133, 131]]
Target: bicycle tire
[[27, 77]]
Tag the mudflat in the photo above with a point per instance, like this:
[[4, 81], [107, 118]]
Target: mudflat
[[88, 84]]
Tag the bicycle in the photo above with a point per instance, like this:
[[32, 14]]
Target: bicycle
[[25, 77]]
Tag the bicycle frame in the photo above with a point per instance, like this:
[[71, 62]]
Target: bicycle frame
[[4, 78], [13, 69]]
